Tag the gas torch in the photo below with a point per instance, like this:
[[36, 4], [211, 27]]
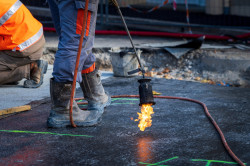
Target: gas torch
[[145, 88]]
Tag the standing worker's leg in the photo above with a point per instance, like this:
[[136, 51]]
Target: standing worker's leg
[[71, 19], [91, 78], [93, 91], [64, 65]]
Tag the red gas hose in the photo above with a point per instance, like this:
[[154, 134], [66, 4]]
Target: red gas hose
[[77, 62], [161, 34], [137, 96], [223, 139]]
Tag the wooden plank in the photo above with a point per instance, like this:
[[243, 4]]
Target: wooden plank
[[15, 109]]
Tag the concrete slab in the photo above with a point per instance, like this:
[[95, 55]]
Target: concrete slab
[[13, 96], [16, 95], [181, 134]]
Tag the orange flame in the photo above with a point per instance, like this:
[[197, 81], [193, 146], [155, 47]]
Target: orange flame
[[145, 116]]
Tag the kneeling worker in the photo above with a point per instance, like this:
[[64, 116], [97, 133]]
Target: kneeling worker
[[21, 45]]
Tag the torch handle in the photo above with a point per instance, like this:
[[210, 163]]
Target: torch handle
[[131, 41]]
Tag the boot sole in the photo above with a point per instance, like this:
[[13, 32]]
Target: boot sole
[[51, 123]]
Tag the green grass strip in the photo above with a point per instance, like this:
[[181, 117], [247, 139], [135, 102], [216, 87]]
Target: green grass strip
[[38, 132]]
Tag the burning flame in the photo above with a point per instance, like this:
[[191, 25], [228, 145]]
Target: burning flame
[[145, 116]]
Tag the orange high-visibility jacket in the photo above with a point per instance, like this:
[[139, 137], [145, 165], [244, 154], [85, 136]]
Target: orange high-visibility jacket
[[18, 28]]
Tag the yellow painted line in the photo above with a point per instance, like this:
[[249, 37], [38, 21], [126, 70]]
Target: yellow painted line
[[15, 110]]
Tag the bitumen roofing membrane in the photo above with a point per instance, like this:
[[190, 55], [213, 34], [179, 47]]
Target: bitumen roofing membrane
[[180, 134]]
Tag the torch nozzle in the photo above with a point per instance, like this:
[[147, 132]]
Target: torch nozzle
[[145, 92]]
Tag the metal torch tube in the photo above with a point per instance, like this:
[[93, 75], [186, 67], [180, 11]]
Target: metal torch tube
[[130, 38]]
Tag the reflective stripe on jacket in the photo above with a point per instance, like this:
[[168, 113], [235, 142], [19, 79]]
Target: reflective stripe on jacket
[[18, 28]]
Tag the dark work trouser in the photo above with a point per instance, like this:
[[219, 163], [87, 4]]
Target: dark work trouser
[[15, 65]]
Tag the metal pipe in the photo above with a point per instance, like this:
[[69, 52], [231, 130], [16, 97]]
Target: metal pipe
[[130, 38]]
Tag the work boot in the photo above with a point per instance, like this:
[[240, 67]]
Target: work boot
[[93, 91], [37, 71], [59, 115]]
